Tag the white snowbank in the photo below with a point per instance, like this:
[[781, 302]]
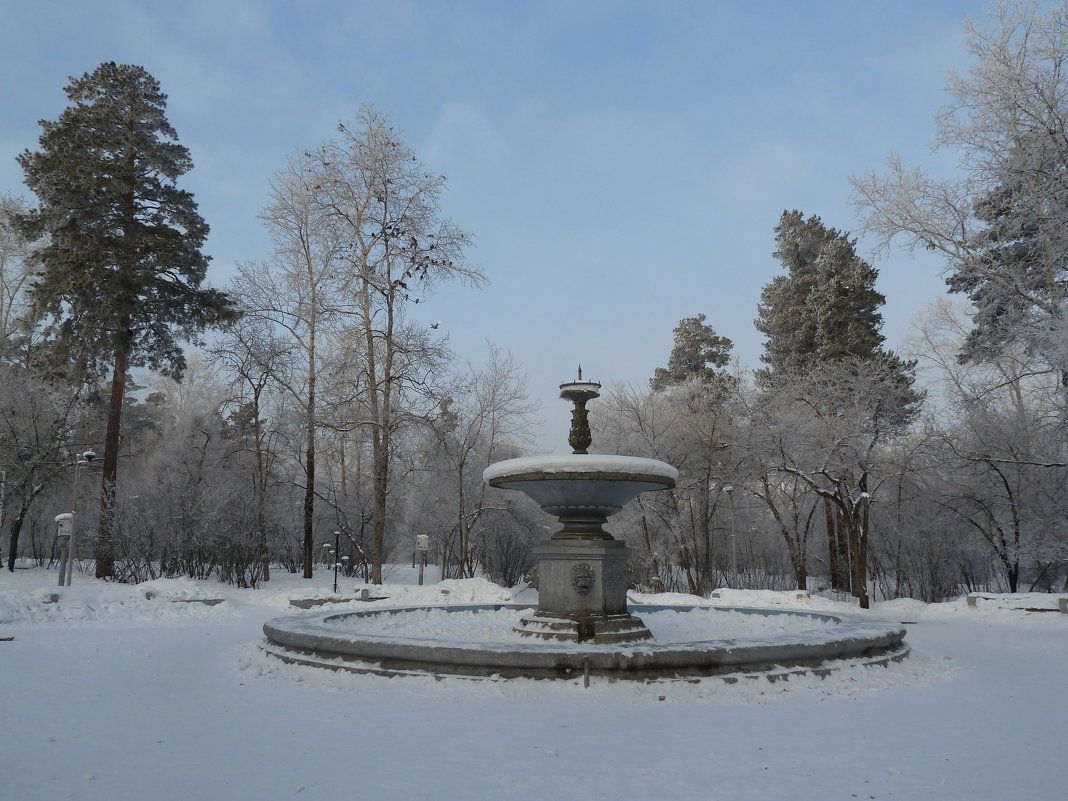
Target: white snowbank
[[26, 596], [100, 601], [448, 592], [173, 589]]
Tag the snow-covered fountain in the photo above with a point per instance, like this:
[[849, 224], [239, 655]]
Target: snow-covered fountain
[[582, 624], [582, 583]]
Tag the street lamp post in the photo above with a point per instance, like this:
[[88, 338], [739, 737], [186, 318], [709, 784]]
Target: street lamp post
[[734, 543], [64, 523], [72, 549], [422, 545], [332, 551]]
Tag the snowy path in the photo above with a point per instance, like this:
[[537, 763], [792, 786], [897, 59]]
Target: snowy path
[[188, 709]]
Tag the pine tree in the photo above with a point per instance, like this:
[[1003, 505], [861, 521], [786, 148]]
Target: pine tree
[[1014, 247], [697, 352], [822, 320], [826, 307], [119, 277]]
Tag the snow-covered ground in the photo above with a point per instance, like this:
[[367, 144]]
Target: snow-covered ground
[[117, 692]]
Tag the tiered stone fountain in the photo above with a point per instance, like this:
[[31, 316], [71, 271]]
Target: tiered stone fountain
[[582, 624], [582, 582]]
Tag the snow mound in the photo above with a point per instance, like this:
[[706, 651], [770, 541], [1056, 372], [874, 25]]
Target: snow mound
[[728, 597], [99, 602], [473, 591], [1021, 601], [667, 599], [172, 589], [449, 592], [901, 609]]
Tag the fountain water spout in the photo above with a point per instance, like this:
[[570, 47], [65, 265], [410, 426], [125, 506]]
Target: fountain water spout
[[580, 393]]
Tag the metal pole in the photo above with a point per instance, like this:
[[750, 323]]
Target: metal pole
[[422, 544], [84, 460], [734, 542], [64, 556], [73, 546], [734, 554], [337, 557]]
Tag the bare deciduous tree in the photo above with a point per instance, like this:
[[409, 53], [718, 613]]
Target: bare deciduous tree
[[1001, 223], [299, 291], [384, 206]]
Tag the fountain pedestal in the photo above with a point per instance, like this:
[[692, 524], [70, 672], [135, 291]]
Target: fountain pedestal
[[582, 593], [582, 585]]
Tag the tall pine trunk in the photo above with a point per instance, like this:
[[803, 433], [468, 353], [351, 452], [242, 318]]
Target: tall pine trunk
[[104, 552]]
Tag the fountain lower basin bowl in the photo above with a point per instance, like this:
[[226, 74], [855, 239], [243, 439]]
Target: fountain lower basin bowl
[[396, 642]]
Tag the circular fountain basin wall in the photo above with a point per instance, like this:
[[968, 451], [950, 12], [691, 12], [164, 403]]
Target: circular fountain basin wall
[[358, 641]]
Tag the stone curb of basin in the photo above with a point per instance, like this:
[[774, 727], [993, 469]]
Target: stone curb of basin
[[311, 639]]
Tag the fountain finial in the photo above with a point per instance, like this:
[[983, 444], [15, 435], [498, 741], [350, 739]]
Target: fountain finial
[[579, 392]]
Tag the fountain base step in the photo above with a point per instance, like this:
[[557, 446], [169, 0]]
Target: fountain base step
[[596, 629]]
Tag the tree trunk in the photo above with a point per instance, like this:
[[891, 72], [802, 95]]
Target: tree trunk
[[380, 459], [797, 561], [466, 568], [703, 544], [834, 563], [858, 550], [844, 558], [860, 556], [309, 458], [13, 538], [104, 552], [309, 509], [261, 504]]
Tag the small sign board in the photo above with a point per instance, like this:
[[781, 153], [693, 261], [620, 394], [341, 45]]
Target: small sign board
[[422, 542], [65, 524]]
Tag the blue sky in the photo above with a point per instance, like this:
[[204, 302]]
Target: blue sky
[[620, 164]]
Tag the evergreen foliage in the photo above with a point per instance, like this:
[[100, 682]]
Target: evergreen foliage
[[697, 353], [1012, 246], [120, 267], [1001, 226], [826, 308], [826, 363]]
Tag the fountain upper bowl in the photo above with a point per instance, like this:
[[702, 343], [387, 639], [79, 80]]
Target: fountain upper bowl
[[592, 481]]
